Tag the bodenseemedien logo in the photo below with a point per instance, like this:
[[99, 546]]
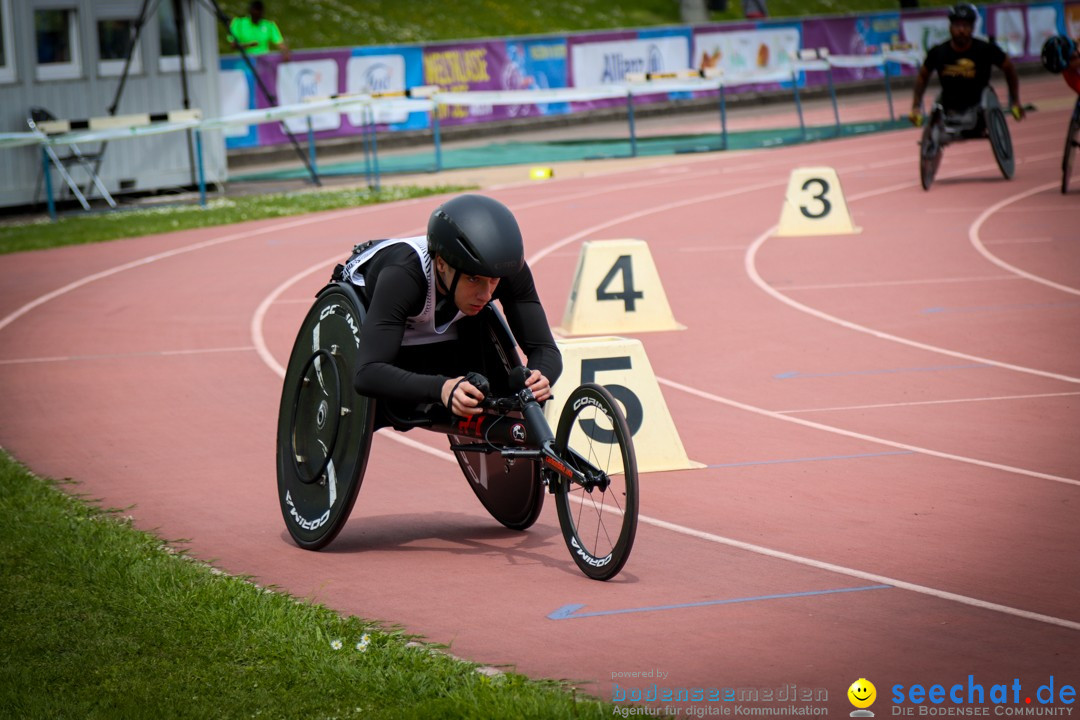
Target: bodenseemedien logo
[[862, 695]]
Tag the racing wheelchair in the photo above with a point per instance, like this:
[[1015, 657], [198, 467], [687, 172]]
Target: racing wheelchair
[[985, 120], [508, 454]]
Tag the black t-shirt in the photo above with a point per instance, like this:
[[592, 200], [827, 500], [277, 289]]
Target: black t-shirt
[[396, 289], [963, 74]]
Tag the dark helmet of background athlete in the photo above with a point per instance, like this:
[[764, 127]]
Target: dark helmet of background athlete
[[963, 12], [478, 236], [1056, 52]]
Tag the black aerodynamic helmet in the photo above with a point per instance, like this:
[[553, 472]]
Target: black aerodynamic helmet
[[477, 235], [1056, 52], [963, 12]]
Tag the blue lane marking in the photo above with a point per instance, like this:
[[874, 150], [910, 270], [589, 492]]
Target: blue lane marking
[[812, 459], [570, 612], [884, 371]]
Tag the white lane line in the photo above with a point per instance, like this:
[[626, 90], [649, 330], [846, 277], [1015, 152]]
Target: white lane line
[[750, 264], [885, 283], [113, 356], [873, 577], [926, 402], [976, 241], [862, 436]]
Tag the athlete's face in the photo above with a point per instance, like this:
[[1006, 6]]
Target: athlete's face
[[472, 293], [961, 33]]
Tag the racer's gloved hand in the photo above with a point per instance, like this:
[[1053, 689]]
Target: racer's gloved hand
[[1017, 111], [916, 117]]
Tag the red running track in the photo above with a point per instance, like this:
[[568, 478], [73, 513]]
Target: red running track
[[895, 408]]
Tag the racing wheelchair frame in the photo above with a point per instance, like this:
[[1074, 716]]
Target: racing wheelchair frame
[[985, 120], [508, 454]]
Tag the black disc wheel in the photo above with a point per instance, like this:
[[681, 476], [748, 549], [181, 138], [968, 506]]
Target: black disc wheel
[[512, 494], [598, 516], [1000, 141], [1071, 142], [930, 151], [324, 427]]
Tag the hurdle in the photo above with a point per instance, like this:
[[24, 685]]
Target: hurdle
[[53, 132]]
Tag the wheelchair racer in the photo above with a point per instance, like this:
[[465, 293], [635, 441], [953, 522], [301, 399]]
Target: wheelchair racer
[[1061, 56], [963, 64], [421, 334]]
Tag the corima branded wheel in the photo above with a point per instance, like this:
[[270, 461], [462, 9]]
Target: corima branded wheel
[[324, 426], [598, 519], [512, 494], [1000, 141]]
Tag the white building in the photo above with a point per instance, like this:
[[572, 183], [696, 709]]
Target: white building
[[67, 56]]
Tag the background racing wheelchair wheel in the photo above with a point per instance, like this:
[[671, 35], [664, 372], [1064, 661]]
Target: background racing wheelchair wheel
[[599, 520], [931, 148], [324, 427], [1000, 140], [512, 493]]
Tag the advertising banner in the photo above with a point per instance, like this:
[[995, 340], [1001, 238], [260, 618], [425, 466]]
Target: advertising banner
[[854, 36], [535, 65], [298, 81], [385, 70], [758, 57], [1072, 20], [608, 62]]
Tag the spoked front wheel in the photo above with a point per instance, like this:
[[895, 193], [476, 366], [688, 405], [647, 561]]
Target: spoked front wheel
[[598, 518], [1071, 142], [1000, 141]]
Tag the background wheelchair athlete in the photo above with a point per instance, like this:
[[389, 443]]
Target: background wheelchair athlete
[[1060, 55], [967, 106]]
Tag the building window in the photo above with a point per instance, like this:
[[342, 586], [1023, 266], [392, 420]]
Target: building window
[[7, 44], [115, 41], [56, 34], [170, 40]]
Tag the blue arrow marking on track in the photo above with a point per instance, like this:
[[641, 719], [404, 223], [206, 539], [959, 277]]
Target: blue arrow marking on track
[[569, 612]]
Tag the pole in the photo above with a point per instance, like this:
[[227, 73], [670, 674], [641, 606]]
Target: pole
[[437, 134], [270, 98], [374, 145], [798, 102], [181, 40], [832, 96], [723, 119], [46, 171], [311, 147], [630, 120], [202, 174], [888, 90]]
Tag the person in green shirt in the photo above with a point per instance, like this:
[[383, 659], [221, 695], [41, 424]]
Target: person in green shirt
[[255, 34]]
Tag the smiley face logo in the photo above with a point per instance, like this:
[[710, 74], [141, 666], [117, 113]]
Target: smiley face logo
[[862, 693]]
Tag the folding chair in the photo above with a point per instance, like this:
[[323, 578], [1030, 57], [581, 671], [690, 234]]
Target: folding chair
[[75, 158]]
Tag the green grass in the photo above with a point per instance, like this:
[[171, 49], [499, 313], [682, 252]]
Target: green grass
[[105, 621], [81, 229], [342, 23]]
